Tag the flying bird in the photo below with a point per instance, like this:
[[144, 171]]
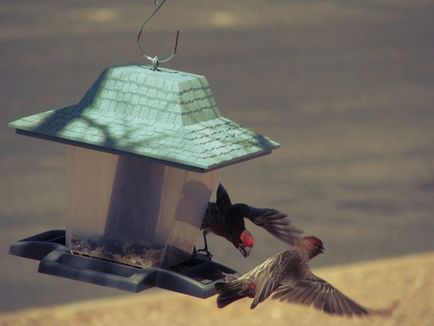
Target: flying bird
[[227, 220], [287, 277]]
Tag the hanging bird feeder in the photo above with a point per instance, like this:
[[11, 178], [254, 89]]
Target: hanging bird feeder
[[143, 148]]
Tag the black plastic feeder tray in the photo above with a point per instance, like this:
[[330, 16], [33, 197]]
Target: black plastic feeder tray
[[195, 277]]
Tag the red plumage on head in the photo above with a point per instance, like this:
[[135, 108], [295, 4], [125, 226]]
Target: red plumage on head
[[313, 241], [310, 246], [247, 239]]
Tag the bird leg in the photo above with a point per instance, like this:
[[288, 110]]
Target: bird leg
[[205, 249]]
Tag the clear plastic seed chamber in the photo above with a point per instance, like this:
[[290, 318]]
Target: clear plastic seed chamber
[[132, 210]]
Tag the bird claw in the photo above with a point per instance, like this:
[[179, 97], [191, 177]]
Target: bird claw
[[205, 251]]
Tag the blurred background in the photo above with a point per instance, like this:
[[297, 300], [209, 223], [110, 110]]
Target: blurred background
[[346, 87]]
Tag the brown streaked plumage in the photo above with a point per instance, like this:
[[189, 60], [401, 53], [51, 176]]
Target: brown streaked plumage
[[287, 277], [227, 220]]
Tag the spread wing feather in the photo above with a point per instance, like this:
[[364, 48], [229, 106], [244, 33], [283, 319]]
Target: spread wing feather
[[322, 295], [223, 202], [270, 274], [275, 222]]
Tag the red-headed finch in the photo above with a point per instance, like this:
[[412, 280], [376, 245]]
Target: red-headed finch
[[287, 277], [227, 220]]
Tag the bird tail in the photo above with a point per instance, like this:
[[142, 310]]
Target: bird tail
[[229, 292]]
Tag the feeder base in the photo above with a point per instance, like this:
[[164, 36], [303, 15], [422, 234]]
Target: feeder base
[[195, 277]]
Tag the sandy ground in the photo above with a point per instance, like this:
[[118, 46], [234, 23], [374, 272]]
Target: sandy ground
[[378, 284]]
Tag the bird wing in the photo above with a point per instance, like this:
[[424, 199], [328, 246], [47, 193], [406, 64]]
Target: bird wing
[[269, 274], [322, 295], [275, 222], [223, 202]]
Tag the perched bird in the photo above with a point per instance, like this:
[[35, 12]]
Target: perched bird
[[288, 278], [227, 220]]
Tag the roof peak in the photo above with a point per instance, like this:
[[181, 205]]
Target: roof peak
[[164, 96], [165, 114]]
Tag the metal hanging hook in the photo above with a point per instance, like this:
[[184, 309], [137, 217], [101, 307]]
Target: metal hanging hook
[[155, 61]]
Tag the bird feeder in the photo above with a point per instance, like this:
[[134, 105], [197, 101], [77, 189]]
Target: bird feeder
[[143, 148]]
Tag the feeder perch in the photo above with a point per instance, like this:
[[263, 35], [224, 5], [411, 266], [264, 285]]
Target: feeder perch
[[143, 148]]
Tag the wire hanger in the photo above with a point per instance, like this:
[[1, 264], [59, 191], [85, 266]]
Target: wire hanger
[[155, 61]]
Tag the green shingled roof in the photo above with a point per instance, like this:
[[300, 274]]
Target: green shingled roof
[[167, 115]]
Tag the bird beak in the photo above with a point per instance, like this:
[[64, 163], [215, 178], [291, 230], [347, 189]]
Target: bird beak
[[322, 250], [245, 251]]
